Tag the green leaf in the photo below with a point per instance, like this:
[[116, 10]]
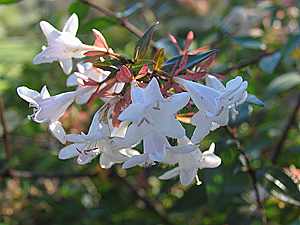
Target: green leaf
[[216, 179], [81, 9], [244, 111], [282, 83], [98, 24], [279, 184], [192, 60], [292, 43], [9, 1], [269, 62], [159, 58], [249, 42], [252, 99], [143, 43], [239, 183]]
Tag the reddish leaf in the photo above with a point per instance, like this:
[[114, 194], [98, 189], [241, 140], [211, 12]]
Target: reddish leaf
[[193, 76], [184, 119], [166, 87], [183, 63], [93, 53], [199, 50], [126, 100], [100, 41], [108, 85], [208, 62], [189, 40], [90, 101], [116, 113], [143, 71], [174, 41], [172, 72], [176, 87], [124, 75]]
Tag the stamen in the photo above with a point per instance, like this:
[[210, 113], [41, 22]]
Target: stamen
[[157, 106], [198, 181], [231, 98], [79, 151], [220, 111], [142, 120]]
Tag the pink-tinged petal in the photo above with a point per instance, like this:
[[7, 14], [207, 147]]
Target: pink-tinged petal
[[70, 151], [71, 25], [170, 174], [134, 161], [66, 65], [133, 112], [58, 131], [202, 130]]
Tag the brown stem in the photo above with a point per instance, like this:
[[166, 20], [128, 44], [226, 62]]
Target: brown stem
[[278, 147], [246, 62], [251, 172], [6, 133]]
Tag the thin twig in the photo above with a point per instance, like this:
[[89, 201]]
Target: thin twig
[[246, 62], [123, 21], [251, 172], [6, 133], [278, 146]]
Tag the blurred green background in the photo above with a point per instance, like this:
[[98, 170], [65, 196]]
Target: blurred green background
[[258, 40]]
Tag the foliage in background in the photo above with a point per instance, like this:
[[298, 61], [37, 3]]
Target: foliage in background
[[258, 40]]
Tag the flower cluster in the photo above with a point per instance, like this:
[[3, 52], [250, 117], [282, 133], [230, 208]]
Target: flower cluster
[[142, 102]]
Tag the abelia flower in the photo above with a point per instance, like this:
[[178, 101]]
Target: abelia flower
[[155, 150], [150, 111], [97, 141], [49, 108], [213, 104], [63, 45], [189, 164]]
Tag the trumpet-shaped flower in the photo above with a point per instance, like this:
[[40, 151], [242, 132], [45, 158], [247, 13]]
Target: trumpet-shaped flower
[[63, 45], [213, 102], [189, 164], [150, 111], [49, 108], [87, 146], [155, 150]]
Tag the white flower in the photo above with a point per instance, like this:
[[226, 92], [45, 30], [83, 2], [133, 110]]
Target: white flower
[[213, 102], [155, 150], [63, 45], [189, 164], [150, 111], [49, 108]]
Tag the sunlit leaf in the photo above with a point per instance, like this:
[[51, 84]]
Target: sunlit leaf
[[269, 62], [143, 43], [81, 9], [192, 60], [279, 184], [282, 83]]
